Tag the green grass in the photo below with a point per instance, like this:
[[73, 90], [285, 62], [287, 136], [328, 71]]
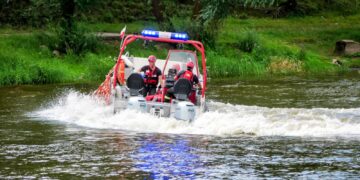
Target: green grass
[[309, 40], [220, 66], [23, 60], [277, 46], [317, 34]]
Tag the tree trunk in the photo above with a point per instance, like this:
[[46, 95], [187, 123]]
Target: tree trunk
[[67, 24], [196, 9], [158, 11], [288, 6], [67, 11]]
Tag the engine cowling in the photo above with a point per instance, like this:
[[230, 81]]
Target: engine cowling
[[184, 110], [137, 103]]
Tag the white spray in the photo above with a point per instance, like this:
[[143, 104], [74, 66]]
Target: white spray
[[222, 119]]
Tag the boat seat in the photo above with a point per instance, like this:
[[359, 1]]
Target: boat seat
[[170, 78], [169, 82], [182, 89], [135, 83]]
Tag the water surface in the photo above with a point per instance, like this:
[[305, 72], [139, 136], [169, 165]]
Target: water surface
[[293, 127]]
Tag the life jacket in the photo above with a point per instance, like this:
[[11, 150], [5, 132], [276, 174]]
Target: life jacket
[[149, 77], [188, 75]]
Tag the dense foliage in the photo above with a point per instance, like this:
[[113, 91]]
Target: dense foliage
[[200, 18], [40, 12]]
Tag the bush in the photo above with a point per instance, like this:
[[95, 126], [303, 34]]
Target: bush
[[249, 41], [36, 13], [343, 7], [220, 66], [98, 67], [243, 16], [301, 55], [206, 34], [77, 41], [261, 54], [20, 70]]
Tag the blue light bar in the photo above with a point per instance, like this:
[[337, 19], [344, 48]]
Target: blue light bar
[[150, 33], [167, 35], [179, 36]]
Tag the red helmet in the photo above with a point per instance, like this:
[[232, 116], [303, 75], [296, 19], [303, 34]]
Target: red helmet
[[190, 65], [151, 58]]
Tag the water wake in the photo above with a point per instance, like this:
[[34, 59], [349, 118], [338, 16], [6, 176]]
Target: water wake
[[222, 119]]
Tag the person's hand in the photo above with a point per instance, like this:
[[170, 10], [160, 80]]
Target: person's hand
[[199, 92]]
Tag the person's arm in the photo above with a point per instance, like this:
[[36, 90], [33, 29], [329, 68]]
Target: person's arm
[[161, 81], [143, 69], [197, 83], [160, 78]]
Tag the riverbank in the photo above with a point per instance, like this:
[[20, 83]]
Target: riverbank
[[245, 47]]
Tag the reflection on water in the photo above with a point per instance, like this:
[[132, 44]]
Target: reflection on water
[[94, 153], [299, 92], [164, 160], [51, 132]]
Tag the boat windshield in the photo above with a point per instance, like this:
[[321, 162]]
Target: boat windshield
[[181, 57]]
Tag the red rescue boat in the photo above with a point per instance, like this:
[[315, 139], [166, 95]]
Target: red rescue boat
[[123, 85]]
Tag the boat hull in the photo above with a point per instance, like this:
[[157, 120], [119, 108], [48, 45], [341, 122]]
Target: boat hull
[[180, 110]]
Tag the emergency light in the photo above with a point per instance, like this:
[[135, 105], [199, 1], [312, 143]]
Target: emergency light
[[167, 35]]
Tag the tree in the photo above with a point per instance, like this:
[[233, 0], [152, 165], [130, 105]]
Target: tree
[[67, 22], [71, 38], [209, 15], [11, 11], [158, 10]]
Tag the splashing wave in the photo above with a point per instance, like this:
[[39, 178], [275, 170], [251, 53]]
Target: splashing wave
[[222, 119]]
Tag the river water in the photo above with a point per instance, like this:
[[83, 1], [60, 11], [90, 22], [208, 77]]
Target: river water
[[288, 127]]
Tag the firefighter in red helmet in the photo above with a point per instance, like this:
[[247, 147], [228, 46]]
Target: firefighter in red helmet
[[187, 74]]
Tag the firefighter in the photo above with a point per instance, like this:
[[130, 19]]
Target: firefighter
[[187, 74], [152, 76]]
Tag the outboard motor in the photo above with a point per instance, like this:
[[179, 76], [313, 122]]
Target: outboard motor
[[184, 110], [136, 101]]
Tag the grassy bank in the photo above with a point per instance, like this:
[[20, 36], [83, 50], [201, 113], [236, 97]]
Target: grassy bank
[[302, 45], [24, 60], [245, 47], [283, 46]]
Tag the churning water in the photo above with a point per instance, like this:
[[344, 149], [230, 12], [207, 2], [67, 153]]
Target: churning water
[[222, 119], [305, 128]]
